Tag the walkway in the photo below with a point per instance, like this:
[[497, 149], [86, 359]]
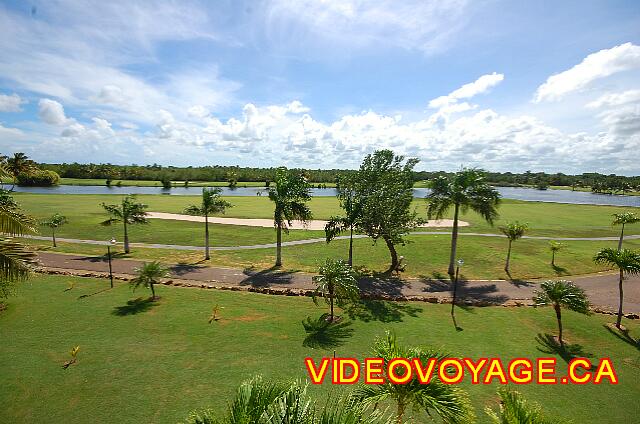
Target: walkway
[[601, 288]]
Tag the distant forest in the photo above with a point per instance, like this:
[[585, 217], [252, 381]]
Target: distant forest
[[234, 174]]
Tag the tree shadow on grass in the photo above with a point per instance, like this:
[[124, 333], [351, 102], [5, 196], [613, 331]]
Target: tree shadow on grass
[[324, 334], [548, 343], [84, 296], [381, 310], [134, 306], [560, 270], [624, 336]]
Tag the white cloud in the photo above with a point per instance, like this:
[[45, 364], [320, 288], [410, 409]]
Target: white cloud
[[615, 99], [479, 86], [11, 103], [595, 66], [51, 112]]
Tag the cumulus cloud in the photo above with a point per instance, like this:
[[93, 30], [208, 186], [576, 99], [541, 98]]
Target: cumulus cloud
[[11, 103], [595, 66], [615, 99], [51, 112]]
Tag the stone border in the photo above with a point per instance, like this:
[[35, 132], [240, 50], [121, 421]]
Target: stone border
[[276, 291]]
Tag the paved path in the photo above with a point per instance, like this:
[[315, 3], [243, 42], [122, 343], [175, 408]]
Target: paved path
[[317, 240], [601, 288]]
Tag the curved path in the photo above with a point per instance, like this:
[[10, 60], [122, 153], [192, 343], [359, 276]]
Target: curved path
[[601, 288], [315, 240]]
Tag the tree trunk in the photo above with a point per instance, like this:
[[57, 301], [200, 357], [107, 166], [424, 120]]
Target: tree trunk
[[394, 255], [279, 245], [153, 291], [621, 238], [206, 237], [553, 258], [401, 408], [559, 318], [619, 320], [506, 265], [53, 235], [351, 247], [126, 238], [331, 303], [454, 241]]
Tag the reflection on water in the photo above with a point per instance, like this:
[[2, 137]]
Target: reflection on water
[[518, 193]]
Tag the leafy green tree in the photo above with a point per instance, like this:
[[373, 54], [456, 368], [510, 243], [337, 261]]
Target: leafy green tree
[[513, 231], [464, 190], [623, 219], [555, 247], [447, 401], [352, 210], [383, 191], [336, 282], [129, 212], [562, 294], [18, 164], [211, 204], [54, 222], [148, 275], [290, 194], [514, 409], [628, 263], [16, 261]]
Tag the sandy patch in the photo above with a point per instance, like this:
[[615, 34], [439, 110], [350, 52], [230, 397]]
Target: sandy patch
[[268, 223]]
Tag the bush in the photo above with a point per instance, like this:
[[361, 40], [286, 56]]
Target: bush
[[39, 178]]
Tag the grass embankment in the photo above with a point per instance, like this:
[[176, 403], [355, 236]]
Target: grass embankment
[[155, 365], [154, 183], [425, 254]]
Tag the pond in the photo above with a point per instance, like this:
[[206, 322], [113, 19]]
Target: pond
[[518, 193]]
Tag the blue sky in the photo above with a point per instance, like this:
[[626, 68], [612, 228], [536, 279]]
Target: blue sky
[[503, 85]]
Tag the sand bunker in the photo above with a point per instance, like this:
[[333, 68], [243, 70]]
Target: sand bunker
[[268, 223]]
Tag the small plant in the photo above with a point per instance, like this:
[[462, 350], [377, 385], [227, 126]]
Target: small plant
[[149, 275], [336, 282], [74, 357], [214, 314], [555, 247], [54, 222], [513, 231]]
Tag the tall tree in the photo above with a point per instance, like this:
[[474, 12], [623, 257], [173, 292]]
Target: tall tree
[[623, 219], [129, 212], [336, 282], [562, 294], [18, 164], [211, 204], [627, 262], [513, 231], [148, 275], [290, 194], [16, 261], [514, 409], [352, 209], [447, 401], [383, 191], [54, 222], [464, 190]]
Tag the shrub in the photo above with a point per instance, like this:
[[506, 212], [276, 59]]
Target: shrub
[[39, 178]]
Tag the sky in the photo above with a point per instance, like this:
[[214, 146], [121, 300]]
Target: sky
[[509, 85]]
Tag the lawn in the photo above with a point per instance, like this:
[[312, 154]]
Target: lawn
[[153, 363]]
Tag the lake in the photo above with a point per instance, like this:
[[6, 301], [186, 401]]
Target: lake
[[517, 193]]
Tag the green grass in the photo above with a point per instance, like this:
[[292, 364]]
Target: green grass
[[157, 365], [154, 183]]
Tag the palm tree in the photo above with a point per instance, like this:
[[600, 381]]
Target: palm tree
[[339, 224], [627, 262], [513, 231], [18, 164], [211, 204], [555, 247], [464, 190], [128, 212], [449, 402], [148, 275], [514, 409], [337, 282], [260, 401], [562, 294], [623, 219], [54, 221], [290, 195], [16, 261]]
